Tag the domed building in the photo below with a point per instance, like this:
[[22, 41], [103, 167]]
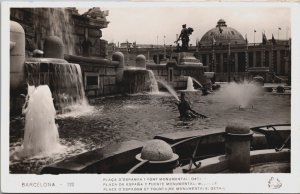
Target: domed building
[[226, 52], [222, 35]]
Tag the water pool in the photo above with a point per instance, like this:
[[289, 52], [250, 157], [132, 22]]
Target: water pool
[[141, 117]]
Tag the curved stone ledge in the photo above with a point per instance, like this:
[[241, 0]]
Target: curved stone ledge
[[219, 164], [94, 61]]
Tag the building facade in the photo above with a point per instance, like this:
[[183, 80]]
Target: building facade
[[225, 51]]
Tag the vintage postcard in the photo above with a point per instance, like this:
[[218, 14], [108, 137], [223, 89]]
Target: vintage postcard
[[150, 97]]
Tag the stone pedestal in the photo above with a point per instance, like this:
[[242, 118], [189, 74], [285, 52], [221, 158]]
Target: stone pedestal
[[237, 147], [186, 58], [17, 56], [140, 61], [118, 56], [159, 157], [53, 47]]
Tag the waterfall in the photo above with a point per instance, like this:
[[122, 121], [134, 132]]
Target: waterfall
[[137, 79], [59, 23], [63, 79]]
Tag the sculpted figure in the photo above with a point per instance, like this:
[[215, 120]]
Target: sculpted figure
[[184, 36]]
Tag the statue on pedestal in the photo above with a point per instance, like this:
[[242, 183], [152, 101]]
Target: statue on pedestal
[[184, 36]]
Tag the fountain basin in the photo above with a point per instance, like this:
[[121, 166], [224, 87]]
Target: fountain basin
[[258, 159], [122, 118], [135, 80]]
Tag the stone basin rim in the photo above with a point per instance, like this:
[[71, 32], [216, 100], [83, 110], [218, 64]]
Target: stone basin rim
[[175, 157]]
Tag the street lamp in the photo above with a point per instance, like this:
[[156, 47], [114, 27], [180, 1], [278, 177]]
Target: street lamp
[[254, 37], [278, 32], [229, 62]]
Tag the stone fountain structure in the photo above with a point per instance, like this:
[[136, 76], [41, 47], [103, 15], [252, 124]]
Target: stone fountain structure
[[70, 76], [176, 72], [75, 51]]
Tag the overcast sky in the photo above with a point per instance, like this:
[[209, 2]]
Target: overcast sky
[[144, 24]]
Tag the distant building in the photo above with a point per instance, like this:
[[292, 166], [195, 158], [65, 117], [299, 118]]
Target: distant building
[[225, 51]]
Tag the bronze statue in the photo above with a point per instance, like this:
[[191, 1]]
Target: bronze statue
[[184, 36]]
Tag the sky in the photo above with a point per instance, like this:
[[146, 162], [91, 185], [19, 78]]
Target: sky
[[159, 25]]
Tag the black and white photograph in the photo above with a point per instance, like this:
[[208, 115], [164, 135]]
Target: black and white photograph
[[149, 97]]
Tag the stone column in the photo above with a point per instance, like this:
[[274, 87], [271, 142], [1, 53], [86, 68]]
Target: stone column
[[207, 60], [140, 61], [254, 59], [236, 62], [118, 56], [262, 54], [271, 68], [221, 63], [286, 65], [213, 60], [200, 58], [278, 62], [246, 60], [237, 147]]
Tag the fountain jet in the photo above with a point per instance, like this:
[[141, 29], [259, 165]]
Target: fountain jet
[[240, 94], [190, 84], [169, 88], [40, 134]]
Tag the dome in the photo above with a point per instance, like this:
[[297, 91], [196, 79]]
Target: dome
[[222, 35], [157, 150]]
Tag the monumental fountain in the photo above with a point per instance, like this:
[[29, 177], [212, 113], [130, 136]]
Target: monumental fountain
[[138, 79], [64, 79], [70, 76]]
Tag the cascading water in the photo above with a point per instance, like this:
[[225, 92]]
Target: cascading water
[[61, 24], [40, 134], [139, 79], [239, 94], [64, 80]]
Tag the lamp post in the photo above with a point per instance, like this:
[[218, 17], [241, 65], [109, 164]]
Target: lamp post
[[254, 37], [278, 32], [229, 63]]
